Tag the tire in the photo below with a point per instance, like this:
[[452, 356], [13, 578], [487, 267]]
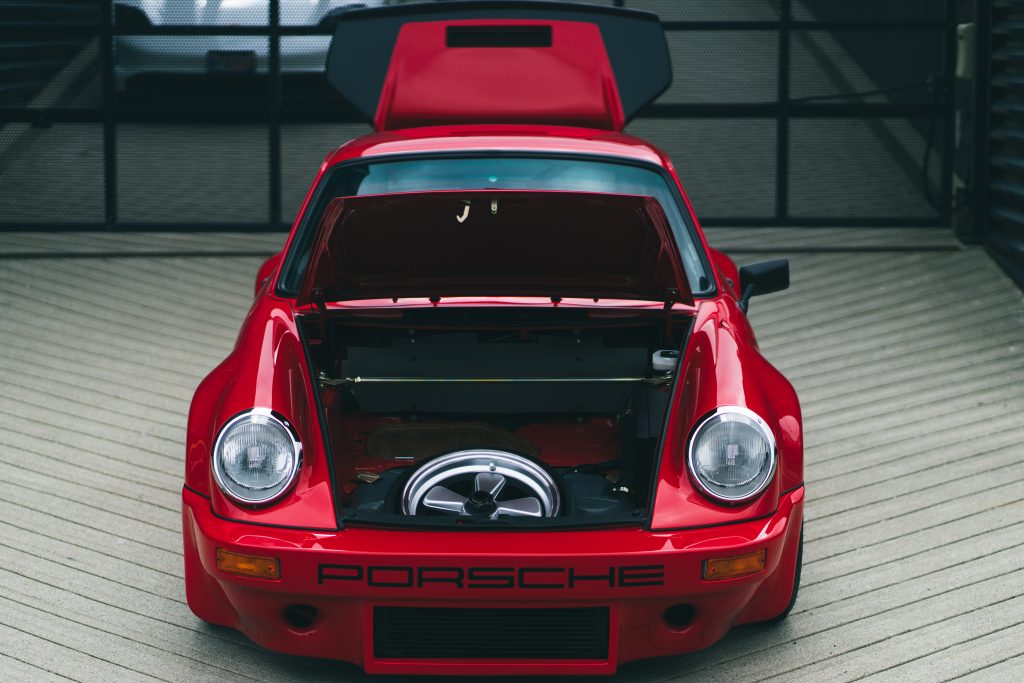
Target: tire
[[796, 579]]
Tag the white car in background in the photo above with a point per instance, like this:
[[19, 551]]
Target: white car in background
[[164, 60]]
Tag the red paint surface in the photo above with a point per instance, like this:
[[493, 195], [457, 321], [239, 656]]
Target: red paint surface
[[570, 83], [267, 368], [255, 606]]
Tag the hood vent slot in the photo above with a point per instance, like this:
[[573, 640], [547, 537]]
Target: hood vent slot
[[499, 36]]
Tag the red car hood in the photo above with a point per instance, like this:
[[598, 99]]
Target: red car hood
[[494, 243], [513, 61], [564, 78]]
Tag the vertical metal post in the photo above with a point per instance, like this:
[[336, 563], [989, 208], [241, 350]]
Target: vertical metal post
[[979, 190], [947, 102], [109, 116], [782, 119], [274, 74]]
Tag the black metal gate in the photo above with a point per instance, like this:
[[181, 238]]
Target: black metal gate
[[783, 112], [999, 161]]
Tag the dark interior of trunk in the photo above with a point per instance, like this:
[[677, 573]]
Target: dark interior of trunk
[[494, 416]]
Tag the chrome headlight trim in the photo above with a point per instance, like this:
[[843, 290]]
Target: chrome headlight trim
[[740, 414], [218, 468]]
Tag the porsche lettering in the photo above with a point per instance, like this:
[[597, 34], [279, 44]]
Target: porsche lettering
[[401, 576]]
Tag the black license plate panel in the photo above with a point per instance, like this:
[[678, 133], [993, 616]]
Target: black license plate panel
[[566, 633], [231, 61]]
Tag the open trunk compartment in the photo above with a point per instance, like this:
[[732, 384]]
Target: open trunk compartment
[[564, 405]]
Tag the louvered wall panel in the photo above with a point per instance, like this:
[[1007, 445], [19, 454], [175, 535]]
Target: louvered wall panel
[[1005, 233]]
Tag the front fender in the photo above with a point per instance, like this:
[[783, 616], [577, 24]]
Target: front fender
[[266, 369], [721, 366]]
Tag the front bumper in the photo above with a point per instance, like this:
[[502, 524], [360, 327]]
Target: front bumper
[[635, 574]]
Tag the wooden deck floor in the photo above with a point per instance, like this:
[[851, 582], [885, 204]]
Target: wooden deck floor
[[910, 366]]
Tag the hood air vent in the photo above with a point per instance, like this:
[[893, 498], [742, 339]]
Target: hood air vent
[[499, 36]]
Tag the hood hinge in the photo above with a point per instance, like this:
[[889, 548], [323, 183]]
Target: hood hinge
[[671, 297], [321, 309]]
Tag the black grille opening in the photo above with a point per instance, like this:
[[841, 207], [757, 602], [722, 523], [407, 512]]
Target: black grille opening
[[300, 617], [479, 633], [499, 36], [679, 616]]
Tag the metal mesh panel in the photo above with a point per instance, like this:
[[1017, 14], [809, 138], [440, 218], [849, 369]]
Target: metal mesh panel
[[726, 165], [52, 173], [200, 13], [303, 148], [59, 72], [192, 126], [201, 173], [192, 71], [844, 10], [837, 62], [49, 172], [861, 167], [709, 10], [189, 72], [41, 67], [303, 82], [722, 66]]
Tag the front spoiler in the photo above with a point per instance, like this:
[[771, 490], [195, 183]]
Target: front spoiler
[[637, 574]]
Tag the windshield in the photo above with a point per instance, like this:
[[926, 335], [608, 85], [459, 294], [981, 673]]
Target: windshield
[[496, 172]]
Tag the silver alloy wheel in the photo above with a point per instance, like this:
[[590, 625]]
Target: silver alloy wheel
[[482, 483]]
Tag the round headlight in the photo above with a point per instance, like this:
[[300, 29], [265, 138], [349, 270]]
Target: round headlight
[[731, 454], [256, 457]]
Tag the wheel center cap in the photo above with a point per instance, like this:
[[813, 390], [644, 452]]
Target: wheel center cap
[[481, 503]]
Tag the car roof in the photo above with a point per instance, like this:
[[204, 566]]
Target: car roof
[[500, 138]]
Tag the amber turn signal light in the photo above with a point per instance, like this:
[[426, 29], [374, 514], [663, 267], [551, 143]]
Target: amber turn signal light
[[248, 565], [731, 567]]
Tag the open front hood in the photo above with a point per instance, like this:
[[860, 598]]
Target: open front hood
[[494, 243], [498, 61]]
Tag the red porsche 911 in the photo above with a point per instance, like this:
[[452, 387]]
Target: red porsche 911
[[496, 407]]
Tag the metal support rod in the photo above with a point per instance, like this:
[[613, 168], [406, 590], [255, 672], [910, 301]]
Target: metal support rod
[[274, 73], [659, 379], [803, 24], [782, 119], [106, 38], [87, 30], [979, 184], [264, 226], [206, 114], [948, 114]]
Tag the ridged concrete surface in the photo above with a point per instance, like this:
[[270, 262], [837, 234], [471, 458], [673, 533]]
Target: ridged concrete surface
[[910, 366]]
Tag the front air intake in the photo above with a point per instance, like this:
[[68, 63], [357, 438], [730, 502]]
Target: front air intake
[[479, 633], [498, 36]]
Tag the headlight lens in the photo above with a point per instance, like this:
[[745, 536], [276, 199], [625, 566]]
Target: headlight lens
[[256, 457], [731, 455]]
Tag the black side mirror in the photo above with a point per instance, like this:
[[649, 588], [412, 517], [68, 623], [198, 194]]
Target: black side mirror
[[763, 277]]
